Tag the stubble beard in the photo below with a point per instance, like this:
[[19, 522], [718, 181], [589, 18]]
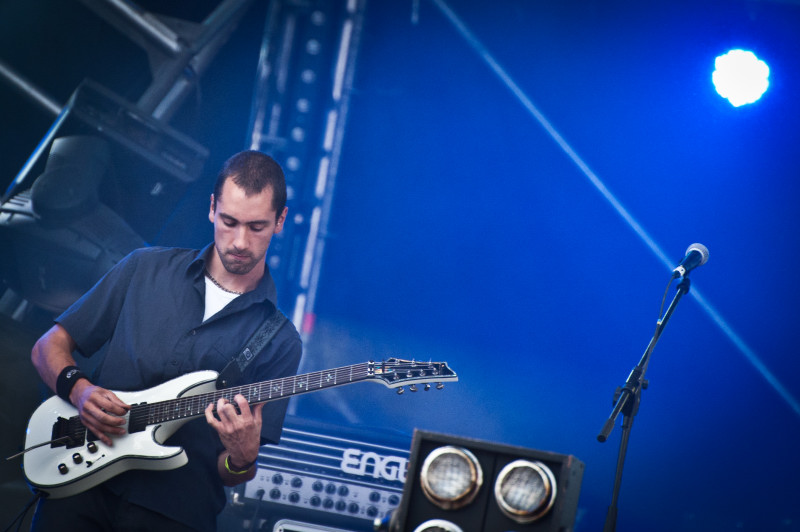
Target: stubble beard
[[237, 266]]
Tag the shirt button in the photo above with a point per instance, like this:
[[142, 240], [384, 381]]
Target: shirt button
[[194, 331], [174, 362]]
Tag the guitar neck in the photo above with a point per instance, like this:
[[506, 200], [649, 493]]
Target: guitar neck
[[261, 392]]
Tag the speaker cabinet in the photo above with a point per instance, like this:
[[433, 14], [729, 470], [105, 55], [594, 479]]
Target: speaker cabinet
[[459, 484]]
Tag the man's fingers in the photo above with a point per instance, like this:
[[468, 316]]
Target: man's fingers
[[210, 417], [116, 405], [101, 431], [102, 412], [227, 410], [108, 402], [114, 422], [99, 401], [106, 414], [103, 438], [244, 406], [236, 413]]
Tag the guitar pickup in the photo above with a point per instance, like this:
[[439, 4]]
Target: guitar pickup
[[137, 417]]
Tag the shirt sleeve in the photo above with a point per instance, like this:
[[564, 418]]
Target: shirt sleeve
[[91, 320]]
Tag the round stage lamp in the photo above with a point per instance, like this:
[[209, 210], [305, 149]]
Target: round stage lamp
[[438, 525], [740, 77], [451, 477], [525, 490]]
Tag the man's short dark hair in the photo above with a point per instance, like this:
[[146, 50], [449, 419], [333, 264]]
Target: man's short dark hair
[[253, 171]]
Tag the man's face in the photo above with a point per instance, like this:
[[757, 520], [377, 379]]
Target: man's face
[[243, 227]]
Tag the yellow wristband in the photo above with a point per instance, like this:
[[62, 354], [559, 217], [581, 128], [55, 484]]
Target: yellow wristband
[[234, 472]]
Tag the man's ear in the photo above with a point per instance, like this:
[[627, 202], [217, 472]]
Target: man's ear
[[281, 220], [211, 210]]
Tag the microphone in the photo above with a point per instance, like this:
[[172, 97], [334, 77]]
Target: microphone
[[696, 255]]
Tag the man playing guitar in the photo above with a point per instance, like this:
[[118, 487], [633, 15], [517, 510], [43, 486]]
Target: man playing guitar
[[161, 313]]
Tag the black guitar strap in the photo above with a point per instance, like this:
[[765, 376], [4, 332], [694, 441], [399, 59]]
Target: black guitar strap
[[263, 336]]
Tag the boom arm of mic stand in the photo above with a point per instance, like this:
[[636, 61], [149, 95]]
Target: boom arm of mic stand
[[635, 380], [627, 402]]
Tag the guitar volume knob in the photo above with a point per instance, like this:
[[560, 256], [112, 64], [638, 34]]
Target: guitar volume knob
[[63, 469], [77, 458]]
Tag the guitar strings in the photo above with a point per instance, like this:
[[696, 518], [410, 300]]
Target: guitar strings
[[195, 405], [144, 414], [259, 392]]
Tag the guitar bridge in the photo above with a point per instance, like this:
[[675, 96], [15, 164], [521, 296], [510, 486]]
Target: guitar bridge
[[69, 432]]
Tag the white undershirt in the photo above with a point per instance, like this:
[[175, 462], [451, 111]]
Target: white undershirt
[[216, 299]]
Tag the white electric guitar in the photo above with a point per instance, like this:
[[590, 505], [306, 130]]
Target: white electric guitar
[[62, 458]]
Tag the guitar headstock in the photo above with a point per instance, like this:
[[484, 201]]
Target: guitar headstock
[[396, 373]]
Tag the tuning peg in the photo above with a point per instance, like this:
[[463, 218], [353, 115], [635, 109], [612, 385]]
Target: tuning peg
[[400, 391], [413, 387], [439, 386], [427, 387]]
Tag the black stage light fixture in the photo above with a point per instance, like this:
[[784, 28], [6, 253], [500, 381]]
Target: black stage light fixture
[[146, 168], [101, 183], [457, 484]]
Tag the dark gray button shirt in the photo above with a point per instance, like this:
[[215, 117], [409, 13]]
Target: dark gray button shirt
[[145, 318]]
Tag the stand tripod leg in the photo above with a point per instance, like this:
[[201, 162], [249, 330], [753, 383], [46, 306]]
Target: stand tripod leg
[[611, 516]]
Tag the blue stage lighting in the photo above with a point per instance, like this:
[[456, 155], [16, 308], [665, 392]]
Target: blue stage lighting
[[740, 77]]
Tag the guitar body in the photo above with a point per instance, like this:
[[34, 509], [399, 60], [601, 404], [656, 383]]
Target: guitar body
[[64, 470]]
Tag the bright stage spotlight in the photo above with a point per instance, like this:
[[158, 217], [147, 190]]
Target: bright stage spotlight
[[740, 77]]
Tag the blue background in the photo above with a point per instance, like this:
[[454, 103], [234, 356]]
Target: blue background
[[461, 231]]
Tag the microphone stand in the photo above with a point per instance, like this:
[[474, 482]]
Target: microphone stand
[[626, 401]]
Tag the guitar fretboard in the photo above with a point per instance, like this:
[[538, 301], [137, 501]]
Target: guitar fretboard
[[261, 392]]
